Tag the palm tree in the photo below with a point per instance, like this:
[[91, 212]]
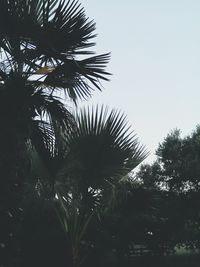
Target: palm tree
[[86, 166], [40, 43], [100, 152], [44, 46]]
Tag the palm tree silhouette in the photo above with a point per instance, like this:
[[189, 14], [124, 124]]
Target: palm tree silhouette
[[45, 49]]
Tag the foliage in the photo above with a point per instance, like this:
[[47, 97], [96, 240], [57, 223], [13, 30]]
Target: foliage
[[44, 47], [177, 166], [45, 50], [75, 225], [175, 176], [44, 38], [99, 153], [68, 196], [100, 149]]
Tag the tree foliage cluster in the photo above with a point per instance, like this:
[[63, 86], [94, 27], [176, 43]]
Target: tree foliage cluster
[[175, 177]]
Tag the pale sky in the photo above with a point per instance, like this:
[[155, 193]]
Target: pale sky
[[155, 62]]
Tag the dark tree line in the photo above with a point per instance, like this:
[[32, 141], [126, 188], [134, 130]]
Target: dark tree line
[[175, 177]]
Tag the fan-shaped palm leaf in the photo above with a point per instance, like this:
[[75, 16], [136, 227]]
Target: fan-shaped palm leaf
[[44, 37], [101, 148]]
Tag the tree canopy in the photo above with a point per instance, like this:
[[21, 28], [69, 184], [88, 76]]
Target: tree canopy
[[177, 166]]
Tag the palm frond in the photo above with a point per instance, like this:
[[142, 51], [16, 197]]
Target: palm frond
[[48, 35], [49, 136], [70, 18], [75, 225], [47, 155], [52, 106], [102, 147], [78, 77], [42, 138], [54, 26]]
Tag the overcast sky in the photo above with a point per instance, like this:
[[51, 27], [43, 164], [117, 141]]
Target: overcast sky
[[155, 62]]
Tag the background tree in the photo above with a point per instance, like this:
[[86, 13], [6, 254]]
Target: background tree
[[175, 176]]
